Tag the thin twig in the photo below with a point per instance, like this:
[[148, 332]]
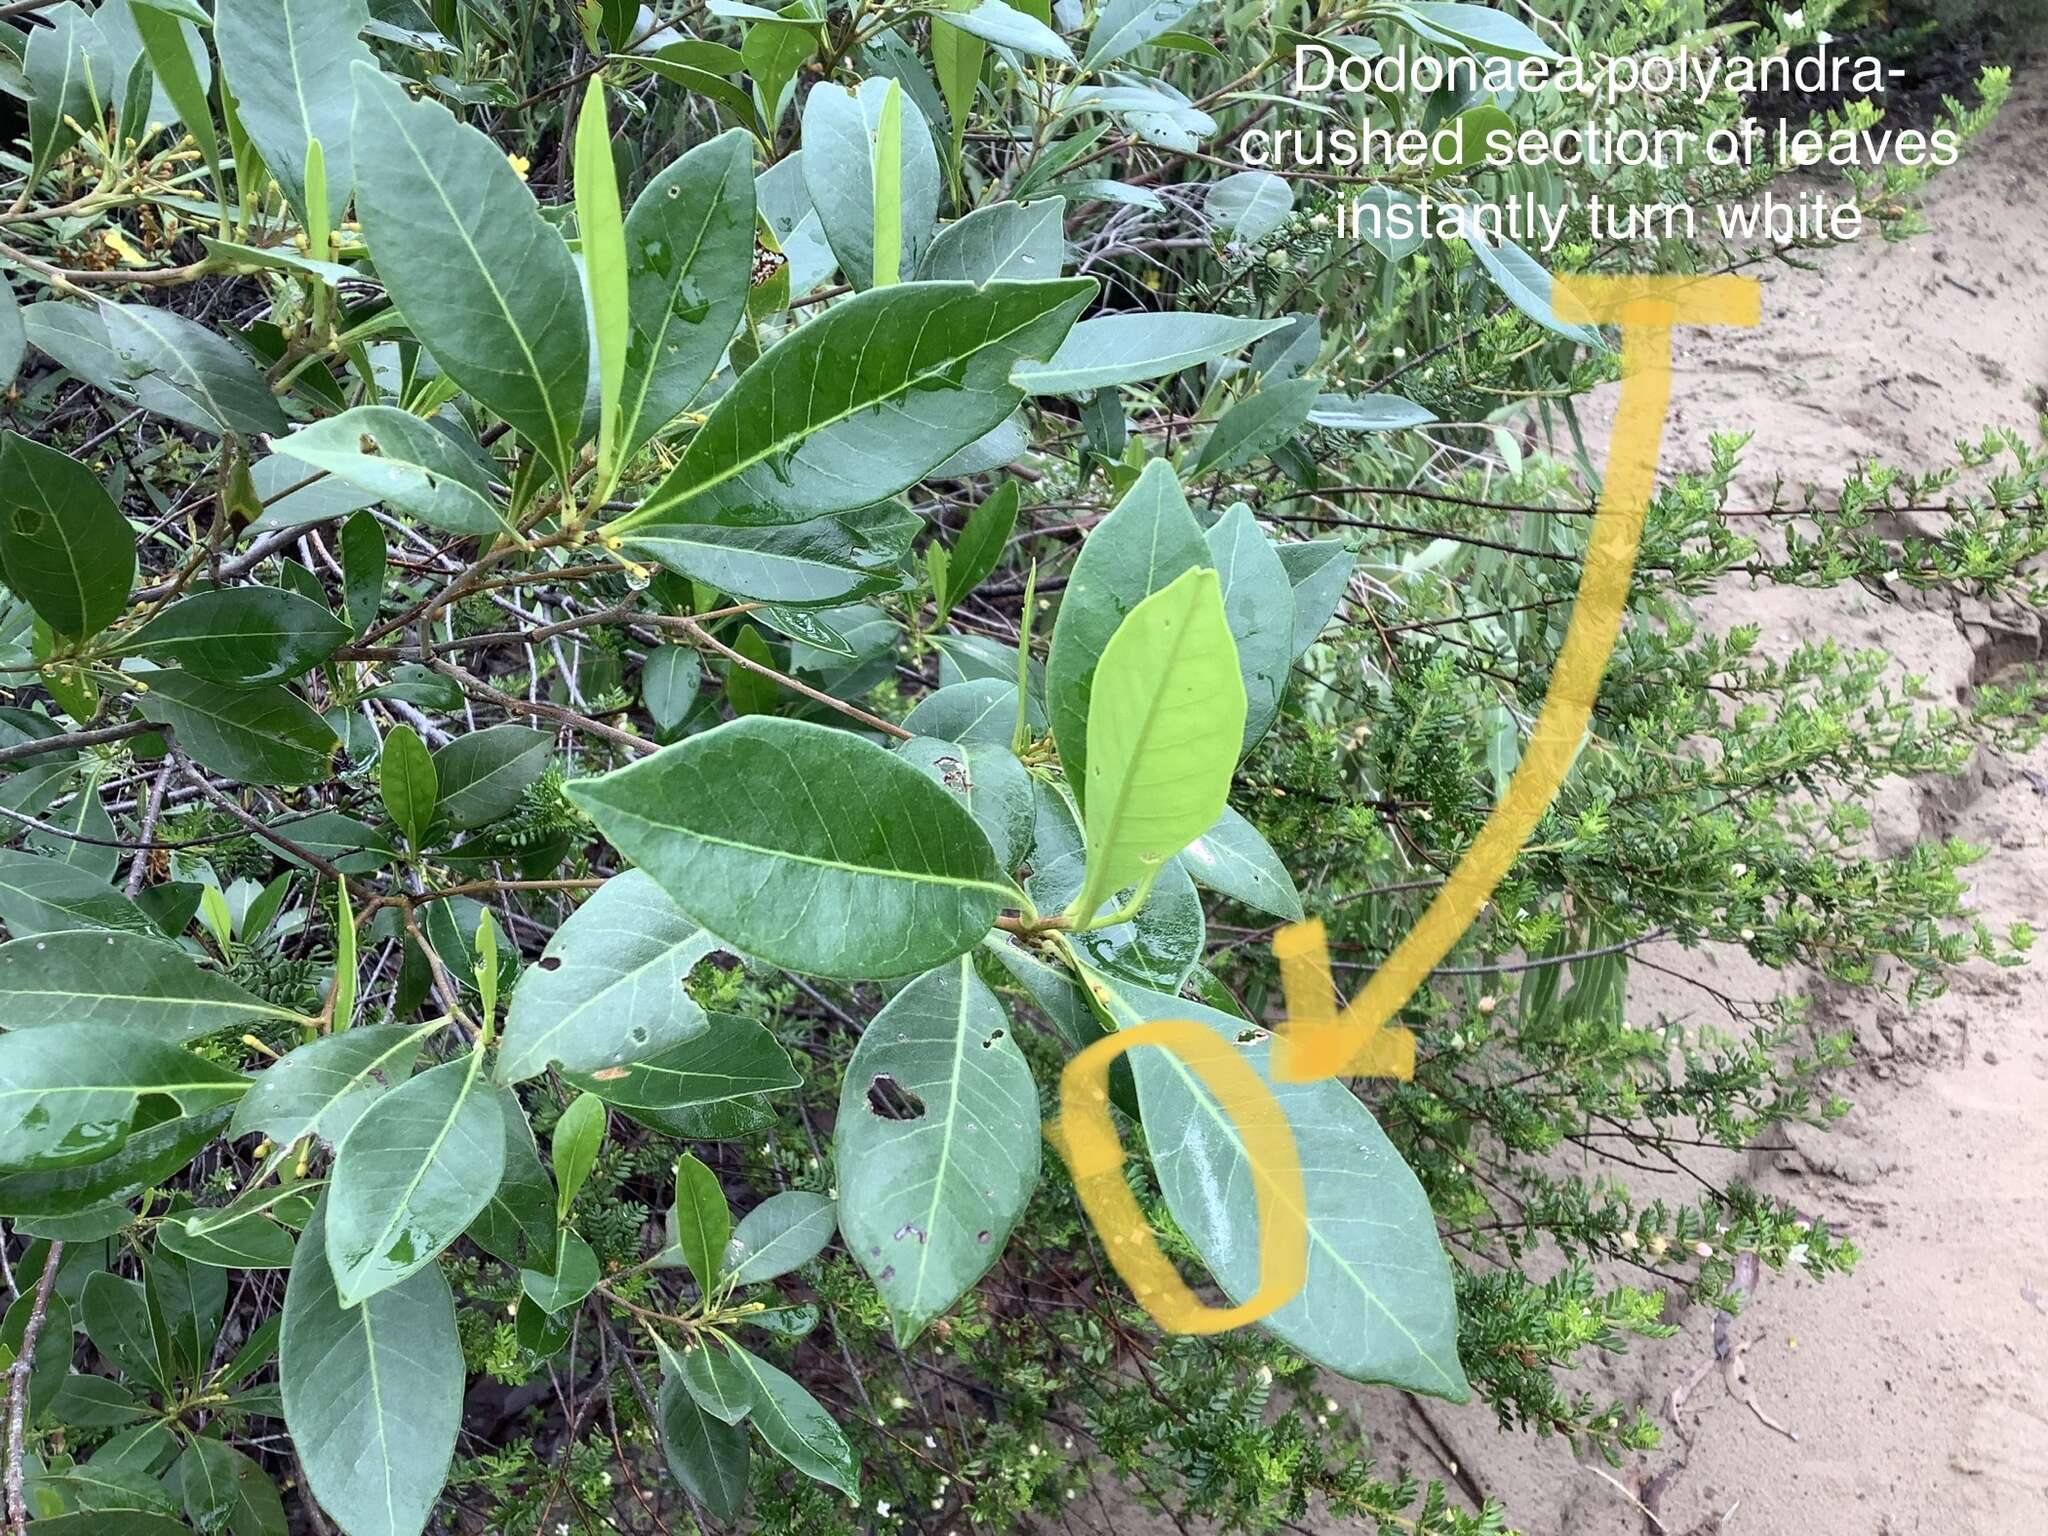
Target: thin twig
[[17, 1393]]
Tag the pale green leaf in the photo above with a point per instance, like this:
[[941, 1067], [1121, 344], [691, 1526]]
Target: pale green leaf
[[1127, 348], [411, 1174], [1148, 539], [609, 987], [1164, 725], [1377, 1305], [288, 64], [411, 466], [600, 225], [937, 1143], [782, 1233], [372, 1391]]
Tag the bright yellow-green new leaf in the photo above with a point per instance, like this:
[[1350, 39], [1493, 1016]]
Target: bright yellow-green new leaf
[[602, 226], [1164, 724]]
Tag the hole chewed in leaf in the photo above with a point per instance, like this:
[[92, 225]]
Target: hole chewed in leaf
[[890, 1100], [550, 962]]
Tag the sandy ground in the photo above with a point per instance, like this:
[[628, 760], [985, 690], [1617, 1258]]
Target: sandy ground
[[1918, 1386]]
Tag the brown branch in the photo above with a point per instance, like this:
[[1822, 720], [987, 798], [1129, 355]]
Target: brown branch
[[17, 1392]]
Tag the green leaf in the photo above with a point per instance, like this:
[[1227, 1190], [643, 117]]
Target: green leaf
[[1124, 349], [982, 540], [707, 1457], [222, 1487], [323, 1087], [365, 560], [484, 281], [483, 775], [241, 636], [805, 846], [411, 466], [265, 735], [863, 401], [1256, 425], [1249, 205], [827, 561], [669, 680], [354, 847], [1367, 413], [104, 977], [56, 64], [782, 1233], [796, 1427], [574, 1276], [1320, 571], [65, 548], [13, 335], [600, 225], [1157, 946], [937, 1143], [69, 1093], [1480, 28], [412, 1173], [1527, 284], [407, 783], [888, 191], [957, 57], [115, 1315], [1377, 1305], [847, 175], [699, 1088], [609, 987], [976, 712], [147, 1157], [518, 1223], [1148, 540], [689, 248], [1124, 25], [178, 60], [573, 1150], [989, 781], [1232, 859], [749, 691], [703, 1223], [201, 366], [994, 22], [1164, 726], [288, 64], [1021, 241], [247, 1242], [1258, 604], [372, 1391], [720, 1387], [40, 895]]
